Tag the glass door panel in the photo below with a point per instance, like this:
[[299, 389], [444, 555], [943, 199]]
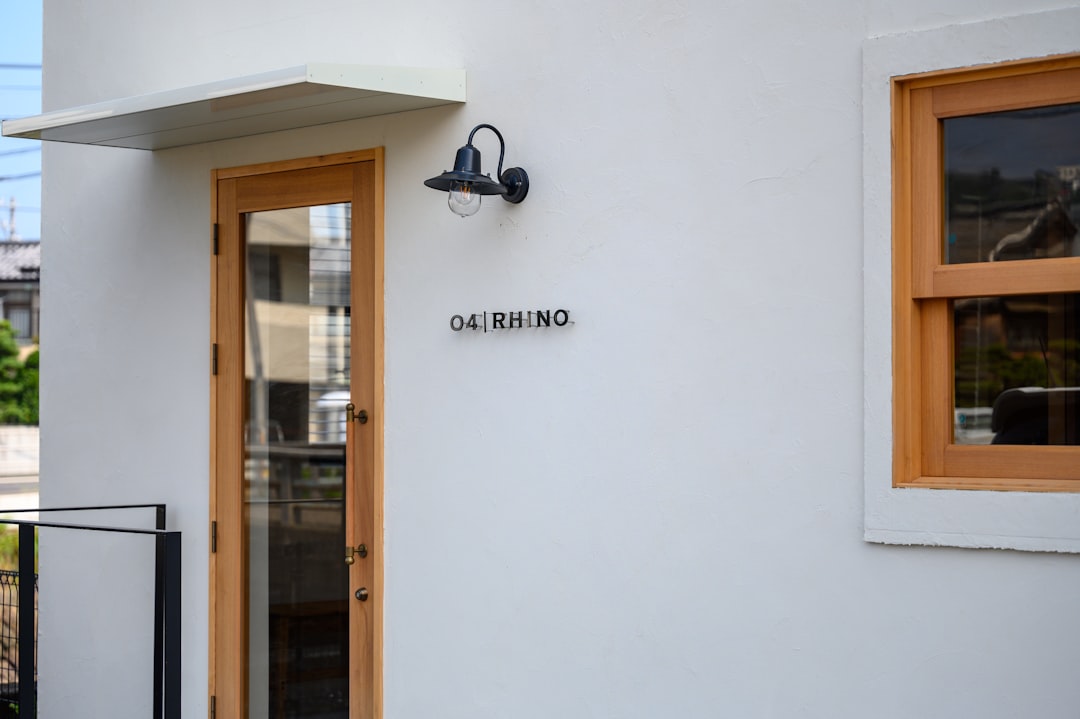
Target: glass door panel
[[296, 385]]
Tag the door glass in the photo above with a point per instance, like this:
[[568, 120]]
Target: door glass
[[296, 387]]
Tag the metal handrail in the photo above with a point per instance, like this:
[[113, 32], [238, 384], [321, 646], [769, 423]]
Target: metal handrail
[[166, 603]]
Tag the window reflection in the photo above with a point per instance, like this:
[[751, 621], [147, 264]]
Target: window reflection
[[1012, 183], [1017, 370]]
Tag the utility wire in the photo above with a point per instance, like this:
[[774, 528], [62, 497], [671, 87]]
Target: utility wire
[[20, 151], [18, 66], [23, 176]]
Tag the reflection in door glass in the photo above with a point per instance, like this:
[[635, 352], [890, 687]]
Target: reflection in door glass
[[296, 383]]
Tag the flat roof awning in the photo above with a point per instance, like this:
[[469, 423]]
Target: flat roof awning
[[312, 94]]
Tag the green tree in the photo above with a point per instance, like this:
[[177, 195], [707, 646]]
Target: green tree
[[18, 381], [28, 378]]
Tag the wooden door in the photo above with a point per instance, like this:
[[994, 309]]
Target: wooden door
[[296, 563]]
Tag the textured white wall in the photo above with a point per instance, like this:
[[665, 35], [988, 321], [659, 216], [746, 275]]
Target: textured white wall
[[658, 512]]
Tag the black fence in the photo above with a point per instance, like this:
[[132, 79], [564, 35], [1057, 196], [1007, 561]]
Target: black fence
[[9, 642], [22, 681]]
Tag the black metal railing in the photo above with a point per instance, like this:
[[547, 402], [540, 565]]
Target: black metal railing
[[9, 642], [166, 628]]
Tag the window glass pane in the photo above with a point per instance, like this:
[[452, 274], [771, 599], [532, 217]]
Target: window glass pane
[[1017, 371], [1012, 185]]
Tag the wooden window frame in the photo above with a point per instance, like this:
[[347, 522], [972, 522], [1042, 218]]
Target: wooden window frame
[[923, 285]]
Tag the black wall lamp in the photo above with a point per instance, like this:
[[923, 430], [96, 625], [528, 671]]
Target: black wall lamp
[[466, 183]]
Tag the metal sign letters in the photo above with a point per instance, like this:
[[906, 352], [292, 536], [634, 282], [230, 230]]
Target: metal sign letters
[[518, 320]]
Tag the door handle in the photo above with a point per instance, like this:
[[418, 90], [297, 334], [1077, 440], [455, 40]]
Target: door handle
[[362, 594]]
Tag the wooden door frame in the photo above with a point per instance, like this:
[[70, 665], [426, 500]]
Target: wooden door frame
[[227, 640]]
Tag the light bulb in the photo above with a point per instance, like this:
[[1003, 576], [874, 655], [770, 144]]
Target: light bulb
[[463, 200]]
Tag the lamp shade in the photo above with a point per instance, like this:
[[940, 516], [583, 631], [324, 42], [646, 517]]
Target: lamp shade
[[467, 171]]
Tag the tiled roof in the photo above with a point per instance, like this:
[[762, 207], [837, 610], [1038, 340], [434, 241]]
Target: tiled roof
[[20, 261]]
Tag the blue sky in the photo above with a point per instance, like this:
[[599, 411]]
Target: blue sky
[[20, 95]]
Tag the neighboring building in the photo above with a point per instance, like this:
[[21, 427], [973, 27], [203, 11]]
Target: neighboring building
[[20, 294], [699, 428]]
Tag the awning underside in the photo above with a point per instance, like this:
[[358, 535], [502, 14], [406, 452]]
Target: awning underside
[[312, 94]]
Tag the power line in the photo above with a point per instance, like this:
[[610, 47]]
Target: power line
[[18, 66], [20, 151], [23, 176]]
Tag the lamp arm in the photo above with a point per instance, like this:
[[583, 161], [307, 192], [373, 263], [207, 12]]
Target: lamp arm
[[502, 145]]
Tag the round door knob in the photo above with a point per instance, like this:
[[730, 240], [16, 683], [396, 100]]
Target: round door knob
[[362, 594]]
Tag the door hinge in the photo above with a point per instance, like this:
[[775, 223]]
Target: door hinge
[[213, 358], [213, 707], [216, 238], [213, 537]]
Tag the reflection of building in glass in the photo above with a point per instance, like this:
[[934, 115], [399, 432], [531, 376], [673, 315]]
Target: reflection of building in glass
[[299, 321], [297, 364], [1004, 344], [981, 230], [1011, 184], [1015, 356], [1052, 233]]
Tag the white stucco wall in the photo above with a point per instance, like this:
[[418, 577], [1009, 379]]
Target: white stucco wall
[[658, 512]]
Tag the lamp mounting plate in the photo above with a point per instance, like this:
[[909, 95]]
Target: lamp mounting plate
[[517, 184]]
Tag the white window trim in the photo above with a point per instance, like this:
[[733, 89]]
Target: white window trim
[[1033, 521]]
